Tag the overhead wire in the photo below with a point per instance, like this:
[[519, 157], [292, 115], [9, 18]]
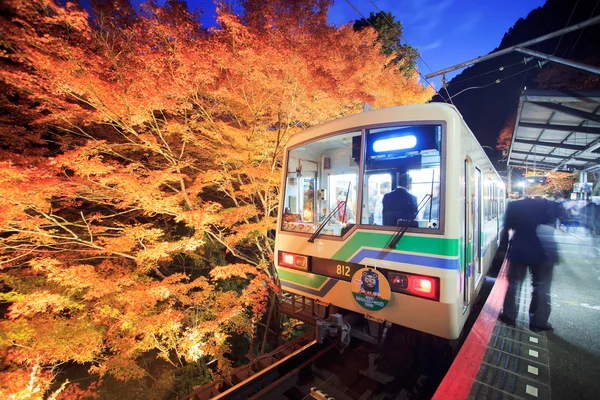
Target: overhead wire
[[391, 25], [496, 81], [534, 148], [501, 68], [444, 85], [581, 31], [568, 21], [401, 36], [519, 88], [418, 55]]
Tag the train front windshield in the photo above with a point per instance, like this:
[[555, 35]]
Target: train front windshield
[[401, 171]]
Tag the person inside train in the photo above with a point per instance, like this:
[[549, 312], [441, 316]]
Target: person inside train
[[342, 208], [399, 204], [378, 214]]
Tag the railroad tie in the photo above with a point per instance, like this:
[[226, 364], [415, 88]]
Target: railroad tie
[[318, 394]]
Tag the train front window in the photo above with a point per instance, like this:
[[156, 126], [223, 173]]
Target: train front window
[[402, 167], [321, 183]]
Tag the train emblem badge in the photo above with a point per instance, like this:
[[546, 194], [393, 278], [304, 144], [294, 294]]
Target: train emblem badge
[[370, 289]]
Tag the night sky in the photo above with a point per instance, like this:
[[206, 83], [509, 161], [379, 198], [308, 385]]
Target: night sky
[[446, 32]]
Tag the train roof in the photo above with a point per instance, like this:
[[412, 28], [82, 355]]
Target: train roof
[[413, 112]]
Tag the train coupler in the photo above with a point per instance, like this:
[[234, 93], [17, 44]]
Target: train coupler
[[333, 326]]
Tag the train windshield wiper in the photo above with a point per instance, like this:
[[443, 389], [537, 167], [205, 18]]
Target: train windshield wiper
[[431, 194], [311, 239], [404, 227]]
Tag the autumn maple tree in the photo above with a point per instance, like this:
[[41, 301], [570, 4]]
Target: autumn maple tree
[[560, 184], [140, 159], [505, 137], [554, 183], [389, 34]]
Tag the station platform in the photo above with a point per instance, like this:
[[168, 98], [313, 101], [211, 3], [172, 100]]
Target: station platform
[[498, 361]]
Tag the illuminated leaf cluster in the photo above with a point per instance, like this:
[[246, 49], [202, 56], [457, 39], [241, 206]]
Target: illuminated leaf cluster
[[140, 160]]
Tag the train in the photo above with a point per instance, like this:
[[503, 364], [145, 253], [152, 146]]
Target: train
[[392, 214]]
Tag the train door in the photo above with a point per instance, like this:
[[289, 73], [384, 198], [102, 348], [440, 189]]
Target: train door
[[472, 250], [467, 242], [500, 213], [497, 210], [476, 218]]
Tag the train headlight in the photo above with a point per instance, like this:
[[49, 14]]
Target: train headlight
[[288, 259], [400, 281], [291, 260]]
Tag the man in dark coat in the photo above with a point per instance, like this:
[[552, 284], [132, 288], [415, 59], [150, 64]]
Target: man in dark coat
[[532, 245], [399, 203]]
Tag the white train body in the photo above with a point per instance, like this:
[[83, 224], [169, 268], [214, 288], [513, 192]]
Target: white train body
[[429, 281]]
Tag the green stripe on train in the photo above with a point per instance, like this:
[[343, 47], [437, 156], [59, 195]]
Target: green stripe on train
[[312, 281], [415, 244]]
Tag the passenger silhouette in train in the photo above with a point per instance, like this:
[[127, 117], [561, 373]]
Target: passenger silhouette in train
[[378, 213], [399, 204]]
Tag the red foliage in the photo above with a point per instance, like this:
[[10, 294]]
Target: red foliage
[[135, 151]]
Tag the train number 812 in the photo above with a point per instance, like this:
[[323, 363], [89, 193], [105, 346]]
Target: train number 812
[[343, 270]]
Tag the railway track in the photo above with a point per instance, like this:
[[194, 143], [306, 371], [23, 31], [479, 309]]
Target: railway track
[[304, 369], [276, 369]]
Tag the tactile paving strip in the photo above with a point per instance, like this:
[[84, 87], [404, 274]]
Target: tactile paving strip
[[515, 365]]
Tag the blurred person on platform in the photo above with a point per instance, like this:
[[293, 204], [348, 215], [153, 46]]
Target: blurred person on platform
[[532, 246]]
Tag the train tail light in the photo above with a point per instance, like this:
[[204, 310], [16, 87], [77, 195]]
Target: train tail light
[[291, 260], [427, 287], [423, 286]]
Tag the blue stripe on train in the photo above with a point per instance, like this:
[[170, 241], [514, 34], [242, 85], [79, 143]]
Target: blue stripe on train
[[426, 261]]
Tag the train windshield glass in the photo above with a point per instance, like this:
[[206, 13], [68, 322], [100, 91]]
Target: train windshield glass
[[402, 166], [321, 183]]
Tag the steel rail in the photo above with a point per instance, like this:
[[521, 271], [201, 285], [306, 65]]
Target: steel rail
[[240, 390]]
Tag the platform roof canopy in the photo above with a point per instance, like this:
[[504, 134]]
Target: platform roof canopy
[[557, 131]]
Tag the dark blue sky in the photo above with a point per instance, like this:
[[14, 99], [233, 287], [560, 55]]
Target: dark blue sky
[[446, 32]]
